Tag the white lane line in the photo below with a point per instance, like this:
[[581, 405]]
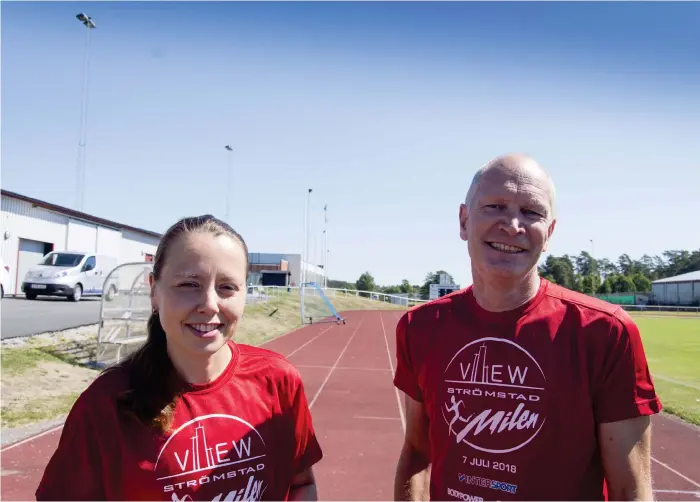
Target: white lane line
[[677, 382], [307, 343], [363, 417], [391, 365], [27, 440], [679, 492], [323, 384], [342, 368], [694, 483]]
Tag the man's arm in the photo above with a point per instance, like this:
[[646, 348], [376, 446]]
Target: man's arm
[[626, 454], [304, 486], [412, 481]]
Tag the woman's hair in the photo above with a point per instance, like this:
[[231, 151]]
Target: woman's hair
[[153, 392]]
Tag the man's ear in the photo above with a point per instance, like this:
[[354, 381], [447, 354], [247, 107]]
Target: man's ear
[[463, 221], [550, 231]]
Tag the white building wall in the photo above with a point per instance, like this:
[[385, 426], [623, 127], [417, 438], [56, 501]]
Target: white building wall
[[294, 262], [21, 220]]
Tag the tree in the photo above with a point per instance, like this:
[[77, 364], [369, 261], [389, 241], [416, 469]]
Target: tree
[[406, 287], [433, 278], [366, 283], [641, 282]]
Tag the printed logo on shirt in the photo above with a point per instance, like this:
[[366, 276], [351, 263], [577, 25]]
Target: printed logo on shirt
[[495, 396], [488, 483], [211, 449], [462, 496]]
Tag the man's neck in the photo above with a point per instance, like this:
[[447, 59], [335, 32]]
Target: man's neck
[[497, 295], [203, 369]]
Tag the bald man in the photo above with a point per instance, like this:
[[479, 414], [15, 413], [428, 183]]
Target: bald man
[[516, 388]]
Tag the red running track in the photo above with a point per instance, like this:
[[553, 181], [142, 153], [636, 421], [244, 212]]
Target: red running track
[[348, 371]]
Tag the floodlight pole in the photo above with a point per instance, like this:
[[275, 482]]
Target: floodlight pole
[[305, 259], [229, 169], [324, 258], [80, 168]]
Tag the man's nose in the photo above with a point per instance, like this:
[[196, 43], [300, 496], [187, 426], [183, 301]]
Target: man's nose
[[512, 226]]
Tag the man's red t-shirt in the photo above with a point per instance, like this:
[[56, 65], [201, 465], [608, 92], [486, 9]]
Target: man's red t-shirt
[[514, 398], [242, 436]]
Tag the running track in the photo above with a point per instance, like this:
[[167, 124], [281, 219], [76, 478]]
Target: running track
[[347, 371]]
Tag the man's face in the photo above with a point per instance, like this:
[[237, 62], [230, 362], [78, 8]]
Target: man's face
[[509, 222]]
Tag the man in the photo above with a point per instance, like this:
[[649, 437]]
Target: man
[[516, 388]]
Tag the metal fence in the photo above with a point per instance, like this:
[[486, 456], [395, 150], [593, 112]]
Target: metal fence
[[124, 315]]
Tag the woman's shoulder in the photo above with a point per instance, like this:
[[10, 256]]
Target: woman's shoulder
[[272, 363], [106, 387]]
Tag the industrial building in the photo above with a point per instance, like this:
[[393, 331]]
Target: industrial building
[[681, 290], [31, 228], [282, 269]]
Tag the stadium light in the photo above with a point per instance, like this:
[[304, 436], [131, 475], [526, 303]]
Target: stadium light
[[229, 169], [305, 258], [80, 168]]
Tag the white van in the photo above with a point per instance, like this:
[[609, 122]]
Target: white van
[[72, 274]]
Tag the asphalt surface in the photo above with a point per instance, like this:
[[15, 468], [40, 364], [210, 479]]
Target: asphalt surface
[[22, 317]]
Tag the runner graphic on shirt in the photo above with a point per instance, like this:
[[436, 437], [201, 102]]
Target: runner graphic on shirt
[[495, 396]]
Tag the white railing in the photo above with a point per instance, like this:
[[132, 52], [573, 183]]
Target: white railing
[[661, 308], [261, 293]]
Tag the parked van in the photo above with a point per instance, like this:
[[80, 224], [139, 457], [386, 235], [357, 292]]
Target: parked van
[[72, 274]]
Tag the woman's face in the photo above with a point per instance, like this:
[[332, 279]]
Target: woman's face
[[200, 294]]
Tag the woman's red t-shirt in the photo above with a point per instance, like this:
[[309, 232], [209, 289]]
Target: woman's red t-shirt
[[242, 436]]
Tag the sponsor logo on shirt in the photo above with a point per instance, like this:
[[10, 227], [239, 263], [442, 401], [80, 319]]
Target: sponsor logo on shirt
[[211, 449], [495, 396], [462, 496], [488, 483]]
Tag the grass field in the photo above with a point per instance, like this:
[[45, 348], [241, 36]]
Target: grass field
[[672, 346]]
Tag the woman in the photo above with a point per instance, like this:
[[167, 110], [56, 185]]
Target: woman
[[192, 415]]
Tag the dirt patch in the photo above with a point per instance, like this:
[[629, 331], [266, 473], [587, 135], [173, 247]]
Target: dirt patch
[[48, 390]]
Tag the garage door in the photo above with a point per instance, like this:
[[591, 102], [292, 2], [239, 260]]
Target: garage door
[[30, 254], [81, 236]]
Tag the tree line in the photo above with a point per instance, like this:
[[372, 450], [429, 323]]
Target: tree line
[[581, 272], [589, 275], [366, 282]]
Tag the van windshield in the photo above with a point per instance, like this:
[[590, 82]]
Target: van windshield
[[63, 259]]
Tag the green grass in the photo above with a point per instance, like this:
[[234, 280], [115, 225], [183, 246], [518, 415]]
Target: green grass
[[672, 346], [37, 410], [18, 361]]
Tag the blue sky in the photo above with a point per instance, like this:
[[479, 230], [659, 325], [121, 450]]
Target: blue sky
[[385, 110]]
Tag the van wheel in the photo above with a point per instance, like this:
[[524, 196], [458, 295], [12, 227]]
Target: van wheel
[[30, 296], [77, 293]]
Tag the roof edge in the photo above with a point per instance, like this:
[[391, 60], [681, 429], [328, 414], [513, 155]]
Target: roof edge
[[77, 214]]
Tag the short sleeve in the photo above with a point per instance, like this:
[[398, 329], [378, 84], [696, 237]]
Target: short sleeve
[[74, 471], [405, 376], [307, 450], [625, 388]]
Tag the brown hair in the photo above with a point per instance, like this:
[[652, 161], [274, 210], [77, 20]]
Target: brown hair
[[153, 392]]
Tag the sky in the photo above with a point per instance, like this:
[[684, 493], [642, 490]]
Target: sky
[[385, 110]]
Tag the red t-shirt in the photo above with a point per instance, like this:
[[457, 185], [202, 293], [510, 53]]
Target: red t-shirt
[[242, 436], [514, 398]]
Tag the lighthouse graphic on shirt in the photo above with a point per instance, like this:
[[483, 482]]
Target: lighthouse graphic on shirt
[[215, 457]]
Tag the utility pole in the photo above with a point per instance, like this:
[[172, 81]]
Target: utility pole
[[324, 258]]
